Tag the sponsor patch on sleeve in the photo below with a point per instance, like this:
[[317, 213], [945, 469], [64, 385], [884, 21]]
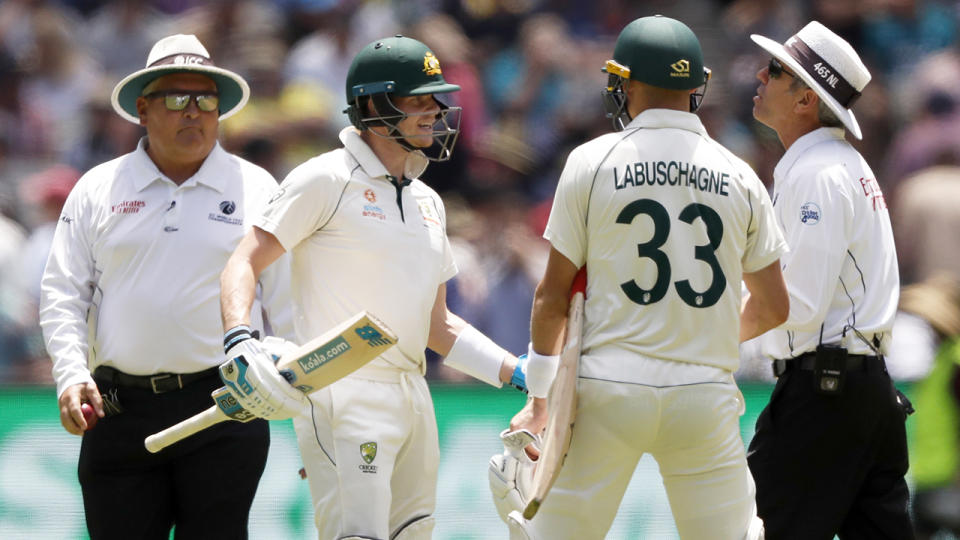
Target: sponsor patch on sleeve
[[810, 213]]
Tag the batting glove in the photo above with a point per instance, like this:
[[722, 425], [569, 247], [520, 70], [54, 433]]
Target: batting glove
[[519, 378], [511, 473], [251, 376]]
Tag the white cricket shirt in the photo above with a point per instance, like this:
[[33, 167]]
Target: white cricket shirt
[[666, 220], [143, 256], [841, 271], [360, 243]]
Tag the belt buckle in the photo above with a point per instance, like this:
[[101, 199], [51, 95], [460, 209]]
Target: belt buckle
[[158, 378]]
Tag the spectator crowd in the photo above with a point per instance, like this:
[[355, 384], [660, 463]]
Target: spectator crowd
[[531, 80]]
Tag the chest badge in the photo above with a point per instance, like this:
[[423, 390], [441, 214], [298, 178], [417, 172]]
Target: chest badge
[[226, 208]]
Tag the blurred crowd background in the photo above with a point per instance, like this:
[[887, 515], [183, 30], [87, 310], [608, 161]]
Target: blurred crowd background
[[531, 81]]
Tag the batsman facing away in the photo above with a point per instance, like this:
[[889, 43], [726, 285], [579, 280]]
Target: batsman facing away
[[659, 247]]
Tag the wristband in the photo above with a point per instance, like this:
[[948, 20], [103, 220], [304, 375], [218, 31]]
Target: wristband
[[476, 355], [519, 378], [541, 369], [238, 333]]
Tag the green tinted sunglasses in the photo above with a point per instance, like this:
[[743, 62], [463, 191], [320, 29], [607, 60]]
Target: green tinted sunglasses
[[178, 100]]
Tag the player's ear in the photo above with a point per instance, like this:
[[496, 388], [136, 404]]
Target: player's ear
[[142, 110]]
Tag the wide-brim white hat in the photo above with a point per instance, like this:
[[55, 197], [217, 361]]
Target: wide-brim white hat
[[827, 64], [180, 53]]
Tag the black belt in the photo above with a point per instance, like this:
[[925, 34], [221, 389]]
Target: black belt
[[806, 361], [158, 383]]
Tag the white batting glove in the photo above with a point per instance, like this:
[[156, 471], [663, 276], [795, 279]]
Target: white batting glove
[[253, 379], [511, 473]]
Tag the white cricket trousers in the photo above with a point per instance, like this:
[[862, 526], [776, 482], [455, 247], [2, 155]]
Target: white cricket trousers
[[371, 456], [692, 431]]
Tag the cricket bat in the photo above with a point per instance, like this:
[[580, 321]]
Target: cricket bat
[[315, 364], [561, 401]]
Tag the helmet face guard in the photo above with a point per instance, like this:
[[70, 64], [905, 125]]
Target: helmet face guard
[[446, 121], [615, 95]]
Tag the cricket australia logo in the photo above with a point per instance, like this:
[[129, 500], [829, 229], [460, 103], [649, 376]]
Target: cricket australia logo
[[368, 451], [431, 66], [681, 68], [810, 214]]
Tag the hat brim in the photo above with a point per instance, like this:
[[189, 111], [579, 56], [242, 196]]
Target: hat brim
[[232, 89], [780, 53]]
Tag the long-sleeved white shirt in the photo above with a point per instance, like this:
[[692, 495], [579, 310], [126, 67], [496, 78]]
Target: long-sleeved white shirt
[[841, 270], [133, 277]]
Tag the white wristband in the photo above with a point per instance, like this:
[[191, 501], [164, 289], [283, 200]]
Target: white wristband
[[476, 355], [541, 369]]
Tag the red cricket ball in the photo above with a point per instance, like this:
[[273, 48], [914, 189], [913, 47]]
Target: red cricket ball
[[89, 414]]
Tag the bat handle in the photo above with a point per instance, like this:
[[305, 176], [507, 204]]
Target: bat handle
[[160, 440]]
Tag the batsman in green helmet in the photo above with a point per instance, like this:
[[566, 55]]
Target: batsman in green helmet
[[659, 52], [668, 224], [391, 93], [366, 234]]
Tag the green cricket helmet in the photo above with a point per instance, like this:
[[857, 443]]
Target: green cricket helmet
[[400, 66], [658, 51]]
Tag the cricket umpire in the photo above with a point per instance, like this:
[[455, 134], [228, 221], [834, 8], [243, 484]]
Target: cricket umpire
[[830, 450], [130, 306]]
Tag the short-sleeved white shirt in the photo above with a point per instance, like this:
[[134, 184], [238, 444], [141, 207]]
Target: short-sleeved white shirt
[[666, 221], [360, 243], [143, 257], [841, 271]]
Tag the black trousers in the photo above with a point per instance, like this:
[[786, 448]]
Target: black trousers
[[204, 484], [832, 465]]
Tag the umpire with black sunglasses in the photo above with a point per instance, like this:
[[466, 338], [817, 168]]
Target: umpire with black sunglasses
[[130, 307], [830, 451]]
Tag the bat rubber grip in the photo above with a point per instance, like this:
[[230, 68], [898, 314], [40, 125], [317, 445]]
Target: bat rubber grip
[[160, 440]]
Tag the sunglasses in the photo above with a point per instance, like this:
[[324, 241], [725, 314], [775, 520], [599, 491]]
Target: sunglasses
[[178, 100], [775, 68]]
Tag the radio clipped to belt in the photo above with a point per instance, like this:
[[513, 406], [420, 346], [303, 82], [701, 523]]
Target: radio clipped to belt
[[829, 369]]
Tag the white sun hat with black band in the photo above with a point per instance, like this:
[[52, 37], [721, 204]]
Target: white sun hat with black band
[[180, 53], [827, 64]]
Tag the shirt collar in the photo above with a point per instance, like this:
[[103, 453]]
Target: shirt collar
[[668, 118], [415, 164], [210, 174], [803, 144]]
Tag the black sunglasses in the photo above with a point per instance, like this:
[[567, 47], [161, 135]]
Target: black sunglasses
[[178, 100], [775, 68]]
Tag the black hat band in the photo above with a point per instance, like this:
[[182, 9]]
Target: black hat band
[[828, 77]]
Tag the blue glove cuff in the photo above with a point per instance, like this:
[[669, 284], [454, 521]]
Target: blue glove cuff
[[237, 334], [519, 378]]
